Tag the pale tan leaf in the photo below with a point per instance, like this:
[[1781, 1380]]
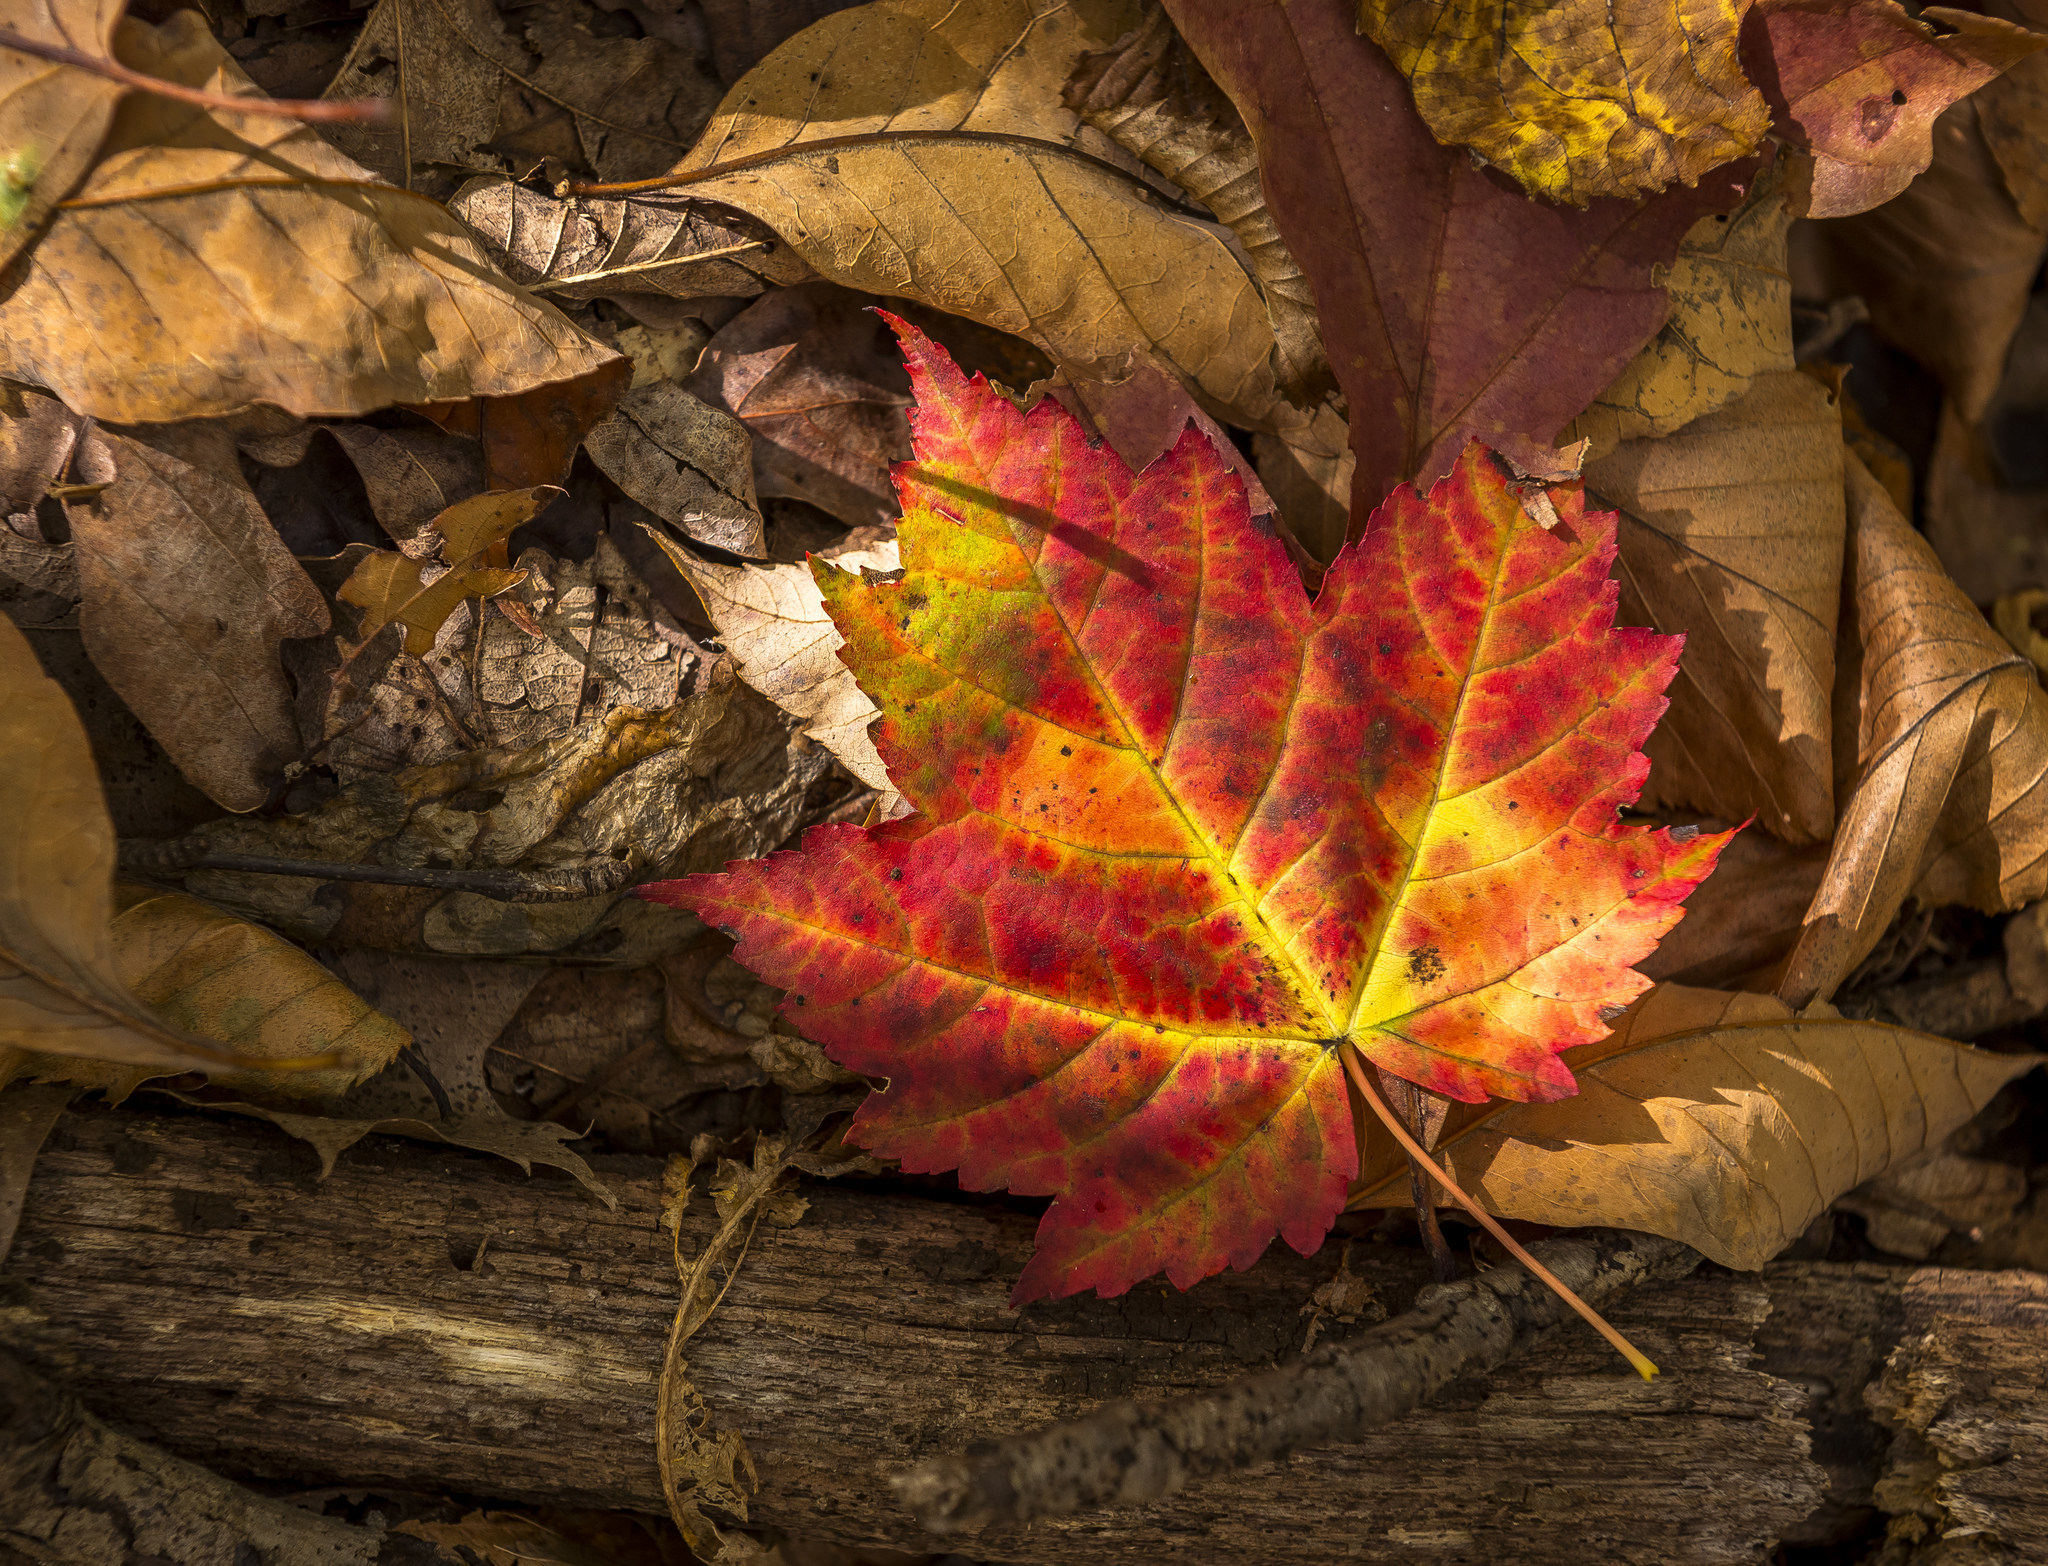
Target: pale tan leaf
[[1719, 1119], [1731, 532], [51, 116], [188, 592], [1150, 95], [1065, 252], [1948, 729], [60, 988], [278, 272], [1731, 321], [900, 66], [772, 620]]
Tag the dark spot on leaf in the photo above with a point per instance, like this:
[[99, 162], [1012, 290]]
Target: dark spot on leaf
[[1066, 750], [1425, 965], [896, 874]]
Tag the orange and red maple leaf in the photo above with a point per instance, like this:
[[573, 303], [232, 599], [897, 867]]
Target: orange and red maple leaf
[[1182, 834]]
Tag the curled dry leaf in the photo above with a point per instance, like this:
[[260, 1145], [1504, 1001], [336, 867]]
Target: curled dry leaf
[[243, 218], [1719, 1119], [61, 991], [1469, 310], [648, 245], [1731, 531], [1580, 99], [1859, 85], [52, 116], [688, 462], [187, 593], [1183, 834], [39, 442], [1946, 729], [1947, 267], [773, 621], [1731, 321], [1150, 95], [810, 373]]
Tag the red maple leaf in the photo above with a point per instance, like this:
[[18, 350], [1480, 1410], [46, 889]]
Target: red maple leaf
[[1182, 835]]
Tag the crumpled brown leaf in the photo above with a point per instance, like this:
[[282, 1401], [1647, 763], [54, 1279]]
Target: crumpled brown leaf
[[1723, 1120], [716, 776], [1581, 98], [1858, 83], [60, 987], [243, 219], [817, 380], [51, 116], [687, 461], [772, 620], [2012, 112], [644, 245], [1150, 95], [1731, 321], [1945, 729], [1731, 531], [187, 594]]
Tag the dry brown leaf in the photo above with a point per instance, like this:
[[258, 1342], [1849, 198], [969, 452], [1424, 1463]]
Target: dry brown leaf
[[60, 989], [1731, 532], [411, 475], [1581, 98], [2013, 114], [188, 592], [817, 379], [649, 245], [1988, 536], [39, 438], [1080, 260], [1308, 474], [903, 66], [1149, 94], [688, 462], [1946, 728], [1722, 1120], [446, 60], [1741, 921], [1913, 1209], [772, 620], [28, 1114], [51, 116], [278, 273], [1731, 321], [1946, 267]]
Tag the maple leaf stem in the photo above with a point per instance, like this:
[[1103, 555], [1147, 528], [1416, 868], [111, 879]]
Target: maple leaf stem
[[354, 111], [1628, 1351]]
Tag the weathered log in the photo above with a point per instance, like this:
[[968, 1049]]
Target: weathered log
[[433, 1319]]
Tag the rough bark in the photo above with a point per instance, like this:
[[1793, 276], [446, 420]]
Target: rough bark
[[432, 1319]]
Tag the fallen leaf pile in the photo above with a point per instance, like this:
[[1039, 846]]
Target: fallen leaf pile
[[1382, 496]]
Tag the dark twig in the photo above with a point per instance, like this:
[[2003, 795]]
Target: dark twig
[[507, 886], [356, 111], [1127, 1453]]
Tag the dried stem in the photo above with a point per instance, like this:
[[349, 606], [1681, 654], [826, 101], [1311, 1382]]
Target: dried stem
[[368, 111], [1599, 1324]]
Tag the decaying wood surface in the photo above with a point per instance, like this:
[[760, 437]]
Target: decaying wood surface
[[433, 1319]]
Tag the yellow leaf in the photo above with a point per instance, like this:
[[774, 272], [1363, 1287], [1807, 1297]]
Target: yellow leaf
[[1579, 98], [1731, 321], [61, 989], [213, 260], [1716, 1118], [386, 586], [471, 526], [210, 974]]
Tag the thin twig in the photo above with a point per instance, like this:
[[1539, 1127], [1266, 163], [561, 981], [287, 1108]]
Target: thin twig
[[606, 274], [355, 111], [1599, 1324], [565, 884]]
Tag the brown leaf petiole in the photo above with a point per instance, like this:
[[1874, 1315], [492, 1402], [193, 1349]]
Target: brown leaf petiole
[[1599, 1324], [349, 111]]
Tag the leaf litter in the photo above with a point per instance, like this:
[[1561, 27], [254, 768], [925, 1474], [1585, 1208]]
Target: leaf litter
[[233, 488]]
